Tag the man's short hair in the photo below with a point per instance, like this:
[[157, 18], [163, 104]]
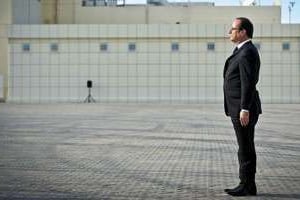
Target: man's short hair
[[247, 25]]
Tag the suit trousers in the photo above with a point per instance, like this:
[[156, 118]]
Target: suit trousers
[[246, 148]]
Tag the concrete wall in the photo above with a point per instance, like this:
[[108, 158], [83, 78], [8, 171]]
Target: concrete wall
[[49, 11], [67, 11], [171, 15], [152, 73], [72, 12], [213, 15], [5, 21], [26, 12]]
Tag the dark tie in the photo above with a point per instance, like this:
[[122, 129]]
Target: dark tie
[[235, 50]]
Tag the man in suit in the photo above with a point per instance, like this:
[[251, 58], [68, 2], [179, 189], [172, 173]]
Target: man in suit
[[242, 102]]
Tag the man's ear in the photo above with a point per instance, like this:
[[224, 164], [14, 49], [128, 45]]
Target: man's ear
[[243, 31]]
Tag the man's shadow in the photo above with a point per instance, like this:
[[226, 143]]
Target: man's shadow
[[280, 196]]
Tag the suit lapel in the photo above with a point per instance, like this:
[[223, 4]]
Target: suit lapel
[[228, 59], [233, 55]]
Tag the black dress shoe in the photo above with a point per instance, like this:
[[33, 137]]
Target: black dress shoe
[[233, 189], [243, 190]]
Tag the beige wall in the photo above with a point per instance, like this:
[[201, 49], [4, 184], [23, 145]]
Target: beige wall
[[66, 11], [5, 14], [213, 15], [5, 20], [58, 11], [110, 15], [71, 12], [49, 11], [171, 15], [152, 73]]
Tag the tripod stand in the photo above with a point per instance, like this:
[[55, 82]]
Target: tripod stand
[[89, 98]]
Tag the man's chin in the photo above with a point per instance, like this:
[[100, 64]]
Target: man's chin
[[233, 41]]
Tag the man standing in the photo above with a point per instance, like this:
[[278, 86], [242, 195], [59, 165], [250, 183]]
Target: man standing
[[242, 102]]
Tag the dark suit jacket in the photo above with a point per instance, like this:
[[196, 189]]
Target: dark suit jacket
[[241, 73]]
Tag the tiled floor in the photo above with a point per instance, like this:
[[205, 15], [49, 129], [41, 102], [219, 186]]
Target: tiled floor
[[127, 151]]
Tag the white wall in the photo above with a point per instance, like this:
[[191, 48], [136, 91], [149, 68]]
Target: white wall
[[153, 72]]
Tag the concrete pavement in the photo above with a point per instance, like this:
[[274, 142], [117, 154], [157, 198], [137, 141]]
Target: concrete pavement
[[141, 151]]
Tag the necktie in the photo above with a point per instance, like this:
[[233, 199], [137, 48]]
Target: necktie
[[235, 50]]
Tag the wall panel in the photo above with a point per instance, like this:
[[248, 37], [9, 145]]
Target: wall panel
[[152, 73]]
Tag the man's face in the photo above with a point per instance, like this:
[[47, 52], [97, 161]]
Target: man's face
[[235, 33]]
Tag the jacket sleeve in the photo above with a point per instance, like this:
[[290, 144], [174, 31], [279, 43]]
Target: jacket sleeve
[[247, 68]]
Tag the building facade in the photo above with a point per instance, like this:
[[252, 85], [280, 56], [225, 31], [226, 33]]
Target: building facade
[[144, 62]]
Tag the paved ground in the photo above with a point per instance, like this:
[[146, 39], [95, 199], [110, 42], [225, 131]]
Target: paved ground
[[120, 151]]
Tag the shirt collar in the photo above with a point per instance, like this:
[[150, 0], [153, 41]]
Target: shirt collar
[[242, 43]]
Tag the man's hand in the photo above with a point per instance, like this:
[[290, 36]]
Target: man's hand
[[244, 118]]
